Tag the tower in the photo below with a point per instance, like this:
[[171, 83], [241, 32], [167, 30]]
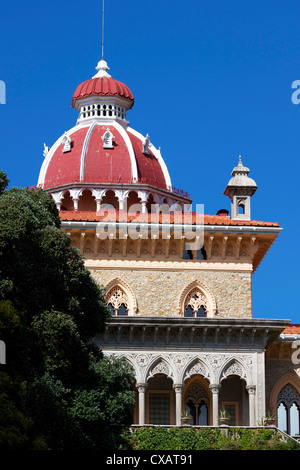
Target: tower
[[240, 189]]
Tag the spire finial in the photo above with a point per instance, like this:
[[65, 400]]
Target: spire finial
[[103, 30], [102, 66]]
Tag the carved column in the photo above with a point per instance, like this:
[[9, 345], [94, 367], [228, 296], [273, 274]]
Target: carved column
[[98, 195], [215, 388], [251, 391], [143, 195], [178, 396], [142, 402], [58, 198], [122, 196], [75, 195]]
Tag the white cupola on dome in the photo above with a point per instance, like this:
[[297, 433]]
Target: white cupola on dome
[[102, 98], [240, 188]]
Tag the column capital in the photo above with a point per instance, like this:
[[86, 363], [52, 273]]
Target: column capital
[[215, 388], [178, 387], [251, 389], [141, 387]]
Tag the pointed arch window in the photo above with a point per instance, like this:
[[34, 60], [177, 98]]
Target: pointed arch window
[[197, 301], [196, 404], [195, 304], [288, 410], [117, 302], [120, 298]]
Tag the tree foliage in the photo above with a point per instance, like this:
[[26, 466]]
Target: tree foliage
[[59, 391], [207, 438]]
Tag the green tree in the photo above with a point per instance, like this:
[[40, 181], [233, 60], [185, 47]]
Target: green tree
[[3, 181], [72, 397]]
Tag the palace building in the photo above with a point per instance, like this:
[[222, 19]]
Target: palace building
[[178, 282]]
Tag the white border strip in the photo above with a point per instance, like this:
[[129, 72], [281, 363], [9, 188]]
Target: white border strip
[[157, 154], [46, 162]]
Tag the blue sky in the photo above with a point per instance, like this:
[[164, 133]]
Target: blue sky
[[211, 80]]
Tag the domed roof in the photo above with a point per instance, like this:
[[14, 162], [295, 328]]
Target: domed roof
[[102, 150], [240, 177], [102, 84], [101, 153]]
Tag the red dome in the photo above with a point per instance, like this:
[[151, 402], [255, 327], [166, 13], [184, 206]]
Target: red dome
[[102, 86], [88, 161]]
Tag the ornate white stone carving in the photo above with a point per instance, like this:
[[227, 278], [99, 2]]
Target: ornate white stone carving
[[66, 141], [233, 369], [142, 360], [146, 145], [198, 368], [180, 367], [160, 367], [288, 396], [57, 197], [46, 150]]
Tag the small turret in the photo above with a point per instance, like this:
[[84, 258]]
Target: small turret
[[240, 189]]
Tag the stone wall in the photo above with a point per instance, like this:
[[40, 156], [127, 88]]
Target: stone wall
[[157, 291]]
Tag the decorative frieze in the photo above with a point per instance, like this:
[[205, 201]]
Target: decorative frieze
[[179, 368]]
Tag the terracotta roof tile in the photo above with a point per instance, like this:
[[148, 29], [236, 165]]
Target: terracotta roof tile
[[292, 330], [177, 218]]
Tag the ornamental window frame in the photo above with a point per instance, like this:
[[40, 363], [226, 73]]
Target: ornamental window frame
[[205, 297], [123, 294], [108, 138], [289, 400]]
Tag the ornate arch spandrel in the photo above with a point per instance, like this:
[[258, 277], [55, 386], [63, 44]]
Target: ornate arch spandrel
[[159, 365], [196, 367], [237, 367], [208, 298], [124, 287]]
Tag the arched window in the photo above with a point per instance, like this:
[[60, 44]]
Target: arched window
[[196, 404], [120, 298], [195, 304], [108, 139], [117, 302], [288, 410], [197, 301], [241, 209]]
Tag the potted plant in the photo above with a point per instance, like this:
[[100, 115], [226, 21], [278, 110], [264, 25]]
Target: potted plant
[[185, 418], [224, 417], [270, 419]]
